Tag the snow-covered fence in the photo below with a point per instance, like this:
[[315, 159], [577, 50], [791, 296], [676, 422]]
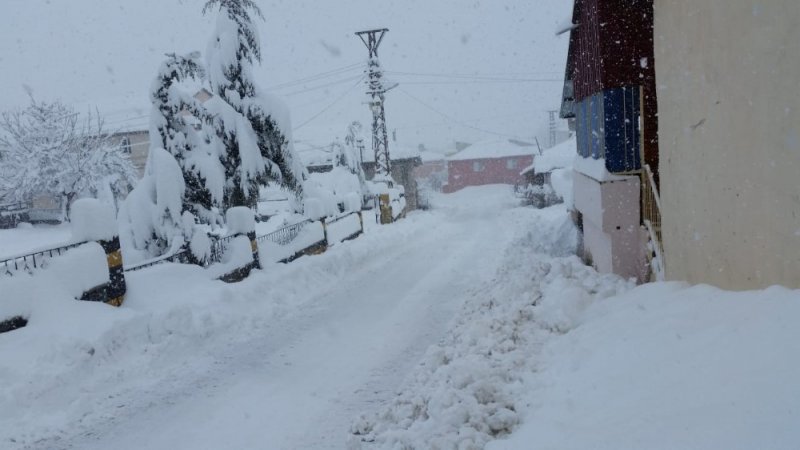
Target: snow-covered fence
[[293, 241], [179, 256], [344, 228], [32, 261], [94, 221], [12, 323], [11, 214], [240, 248], [285, 235]]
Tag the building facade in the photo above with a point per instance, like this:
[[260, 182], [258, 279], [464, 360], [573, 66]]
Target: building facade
[[609, 91], [729, 121], [491, 162]]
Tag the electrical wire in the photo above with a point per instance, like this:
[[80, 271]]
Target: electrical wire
[[456, 121], [323, 86], [319, 76], [482, 82], [330, 105], [486, 77]]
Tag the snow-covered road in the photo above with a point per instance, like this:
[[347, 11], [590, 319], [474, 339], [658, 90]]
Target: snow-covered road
[[300, 380]]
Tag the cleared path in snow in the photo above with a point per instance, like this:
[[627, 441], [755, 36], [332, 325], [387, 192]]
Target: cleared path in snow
[[302, 382]]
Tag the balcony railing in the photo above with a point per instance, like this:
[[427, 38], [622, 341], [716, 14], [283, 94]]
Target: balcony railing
[[651, 219]]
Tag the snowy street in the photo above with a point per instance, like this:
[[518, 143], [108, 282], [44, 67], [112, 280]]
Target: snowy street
[[416, 225], [452, 328], [299, 380]]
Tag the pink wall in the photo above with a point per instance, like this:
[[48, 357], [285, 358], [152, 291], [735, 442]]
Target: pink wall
[[461, 173], [611, 231]]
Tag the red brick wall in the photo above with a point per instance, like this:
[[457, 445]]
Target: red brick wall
[[495, 171]]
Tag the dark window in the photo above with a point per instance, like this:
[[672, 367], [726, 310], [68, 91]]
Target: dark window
[[125, 145]]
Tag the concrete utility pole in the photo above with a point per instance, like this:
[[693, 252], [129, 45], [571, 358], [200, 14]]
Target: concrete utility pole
[[376, 90]]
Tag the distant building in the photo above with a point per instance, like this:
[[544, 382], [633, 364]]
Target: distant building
[[498, 161], [609, 91], [403, 162]]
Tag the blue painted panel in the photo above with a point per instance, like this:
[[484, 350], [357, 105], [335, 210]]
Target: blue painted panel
[[621, 122], [597, 127]]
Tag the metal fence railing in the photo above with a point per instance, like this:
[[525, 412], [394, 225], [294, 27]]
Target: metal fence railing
[[32, 261], [181, 256], [284, 235]]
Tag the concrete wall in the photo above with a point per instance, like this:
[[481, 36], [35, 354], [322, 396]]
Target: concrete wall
[[728, 73], [139, 145]]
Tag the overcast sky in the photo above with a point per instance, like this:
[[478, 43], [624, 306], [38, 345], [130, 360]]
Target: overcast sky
[[468, 70]]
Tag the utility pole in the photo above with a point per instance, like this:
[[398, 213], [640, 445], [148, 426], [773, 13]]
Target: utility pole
[[376, 90], [552, 127]]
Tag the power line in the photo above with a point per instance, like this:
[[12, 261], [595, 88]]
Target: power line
[[484, 81], [487, 77], [434, 125], [316, 77], [330, 105], [456, 121], [322, 86]]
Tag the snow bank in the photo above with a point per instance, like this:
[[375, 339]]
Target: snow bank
[[325, 192], [240, 220], [40, 296], [93, 220], [669, 366], [467, 389], [343, 228]]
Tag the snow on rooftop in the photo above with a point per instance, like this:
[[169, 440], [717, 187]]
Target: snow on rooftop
[[596, 168], [558, 157], [497, 148], [431, 156], [321, 155]]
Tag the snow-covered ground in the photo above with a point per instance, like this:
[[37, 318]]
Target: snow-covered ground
[[448, 329], [28, 238]]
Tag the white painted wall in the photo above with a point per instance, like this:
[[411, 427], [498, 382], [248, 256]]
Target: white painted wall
[[728, 75]]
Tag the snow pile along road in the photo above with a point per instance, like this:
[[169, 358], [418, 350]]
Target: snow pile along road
[[668, 366], [467, 389]]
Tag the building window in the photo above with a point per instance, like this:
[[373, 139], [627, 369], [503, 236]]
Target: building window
[[477, 166], [511, 164], [125, 145]]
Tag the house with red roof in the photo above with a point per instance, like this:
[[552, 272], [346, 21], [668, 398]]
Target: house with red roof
[[498, 161]]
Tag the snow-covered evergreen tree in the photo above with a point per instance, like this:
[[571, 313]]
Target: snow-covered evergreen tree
[[183, 126], [258, 149], [48, 150], [184, 179]]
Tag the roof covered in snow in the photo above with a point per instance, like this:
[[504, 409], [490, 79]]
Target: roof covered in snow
[[322, 155], [497, 148], [558, 157]]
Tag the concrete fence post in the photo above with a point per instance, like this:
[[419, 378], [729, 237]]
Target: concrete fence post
[[94, 221], [241, 222], [386, 209]]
